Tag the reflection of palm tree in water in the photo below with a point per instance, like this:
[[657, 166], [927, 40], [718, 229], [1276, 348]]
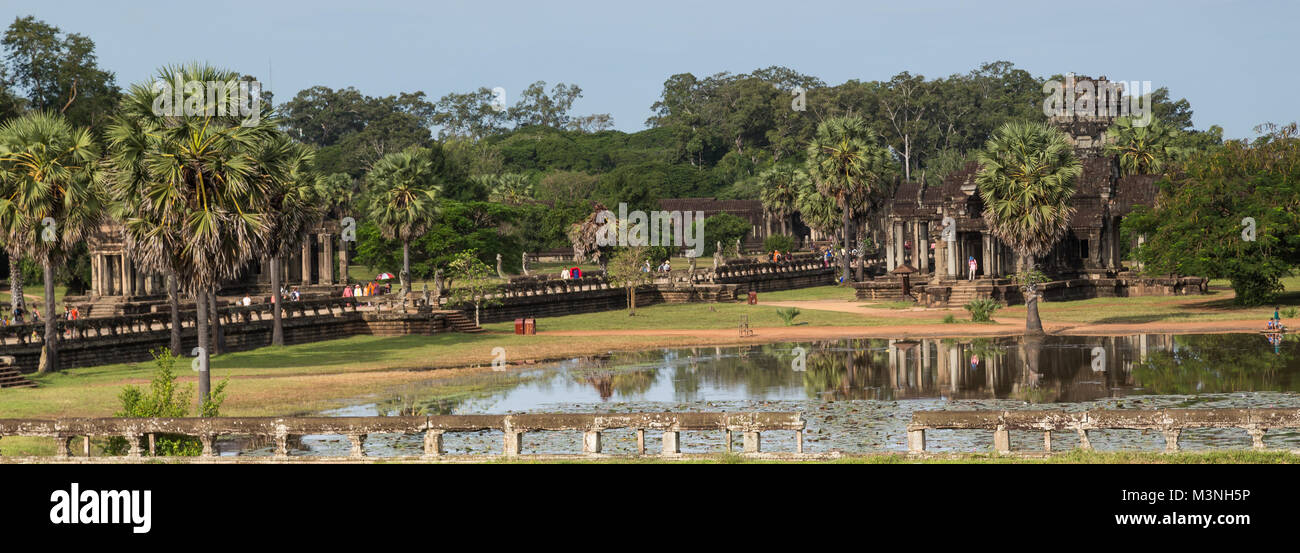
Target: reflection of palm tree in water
[[604, 385]]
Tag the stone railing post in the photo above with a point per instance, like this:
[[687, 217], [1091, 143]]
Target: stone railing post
[[591, 442], [514, 439], [433, 443], [207, 439], [358, 441], [672, 442], [753, 441], [61, 445], [1256, 437], [640, 441], [281, 440], [1171, 439], [1002, 439], [916, 441], [132, 444]]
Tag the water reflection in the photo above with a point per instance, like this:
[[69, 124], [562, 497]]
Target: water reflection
[[1050, 369]]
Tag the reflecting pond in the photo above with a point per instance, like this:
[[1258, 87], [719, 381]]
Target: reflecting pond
[[857, 395]]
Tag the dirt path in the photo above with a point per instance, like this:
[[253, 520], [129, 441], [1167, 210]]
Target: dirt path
[[1002, 326]]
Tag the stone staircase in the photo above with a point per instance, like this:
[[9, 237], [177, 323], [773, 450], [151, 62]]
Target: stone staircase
[[461, 323], [962, 293], [10, 377]]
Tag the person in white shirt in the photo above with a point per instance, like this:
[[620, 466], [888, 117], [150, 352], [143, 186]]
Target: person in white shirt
[[247, 301]]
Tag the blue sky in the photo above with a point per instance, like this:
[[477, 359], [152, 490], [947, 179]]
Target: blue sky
[[1234, 61]]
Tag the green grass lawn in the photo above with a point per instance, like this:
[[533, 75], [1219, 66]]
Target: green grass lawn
[[1066, 458], [829, 292], [692, 316]]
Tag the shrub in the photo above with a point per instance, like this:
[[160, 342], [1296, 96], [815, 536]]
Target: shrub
[[788, 314], [779, 242], [981, 310], [164, 399], [949, 318], [1290, 312]]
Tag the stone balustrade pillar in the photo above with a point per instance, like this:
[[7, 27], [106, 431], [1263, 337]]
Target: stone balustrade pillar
[[672, 442], [752, 442], [591, 442], [433, 443], [358, 441], [1002, 440]]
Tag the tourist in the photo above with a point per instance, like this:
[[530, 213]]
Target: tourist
[[973, 265], [247, 301], [564, 274], [18, 315], [646, 269], [356, 290], [974, 362], [347, 291]]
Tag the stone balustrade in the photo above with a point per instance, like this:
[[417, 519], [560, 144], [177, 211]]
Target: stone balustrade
[[1170, 422], [97, 327], [140, 432]]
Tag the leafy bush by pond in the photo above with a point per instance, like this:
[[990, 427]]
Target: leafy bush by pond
[[163, 399], [788, 314], [982, 310]]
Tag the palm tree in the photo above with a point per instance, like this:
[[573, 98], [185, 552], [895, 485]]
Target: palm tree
[[848, 163], [201, 208], [296, 205], [1026, 179], [53, 199], [404, 200], [511, 188], [817, 211], [780, 188], [1142, 150]]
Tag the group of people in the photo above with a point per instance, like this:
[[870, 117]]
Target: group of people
[[372, 288], [572, 272], [665, 267], [19, 316], [1275, 323]]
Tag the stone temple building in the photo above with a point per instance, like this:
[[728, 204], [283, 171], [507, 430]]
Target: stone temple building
[[119, 287], [914, 219]]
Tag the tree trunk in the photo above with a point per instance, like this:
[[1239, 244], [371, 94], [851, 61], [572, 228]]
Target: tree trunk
[[219, 340], [174, 301], [844, 263], [476, 311], [277, 320], [50, 345], [16, 298], [1033, 324], [205, 383], [406, 268]]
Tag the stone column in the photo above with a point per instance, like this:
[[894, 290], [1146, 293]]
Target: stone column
[[923, 245], [988, 254], [94, 274], [889, 247], [126, 275], [952, 256], [343, 263], [306, 259], [327, 259], [899, 233]]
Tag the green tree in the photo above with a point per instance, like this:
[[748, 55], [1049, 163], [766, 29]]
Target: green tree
[[59, 72], [1144, 150], [1199, 223], [53, 196], [780, 186], [294, 206], [404, 191], [203, 197], [475, 283], [1026, 179], [847, 163], [627, 269]]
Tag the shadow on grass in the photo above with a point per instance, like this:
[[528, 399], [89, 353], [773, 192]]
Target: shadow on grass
[[346, 351], [1140, 319]]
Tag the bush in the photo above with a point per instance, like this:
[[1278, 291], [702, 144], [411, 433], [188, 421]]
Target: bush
[[1290, 312], [788, 314], [163, 399], [783, 243], [982, 310], [949, 318]]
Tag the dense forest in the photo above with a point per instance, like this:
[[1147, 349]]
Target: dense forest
[[514, 178]]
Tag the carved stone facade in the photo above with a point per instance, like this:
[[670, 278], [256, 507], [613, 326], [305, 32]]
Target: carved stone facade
[[1091, 248]]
